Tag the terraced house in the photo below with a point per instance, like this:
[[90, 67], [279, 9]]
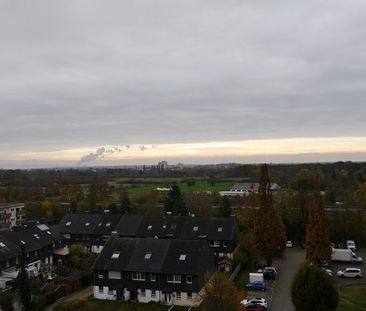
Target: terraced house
[[152, 270], [93, 230], [39, 243]]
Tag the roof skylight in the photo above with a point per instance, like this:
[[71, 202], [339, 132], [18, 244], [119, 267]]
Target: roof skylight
[[195, 228], [68, 224], [148, 256], [182, 257], [115, 255]]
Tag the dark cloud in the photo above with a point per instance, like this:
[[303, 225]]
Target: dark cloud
[[91, 73]]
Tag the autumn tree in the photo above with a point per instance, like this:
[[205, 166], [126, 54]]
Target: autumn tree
[[220, 294], [313, 289], [174, 202], [268, 228], [318, 248]]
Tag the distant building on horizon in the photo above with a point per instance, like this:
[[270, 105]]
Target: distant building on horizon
[[244, 189]]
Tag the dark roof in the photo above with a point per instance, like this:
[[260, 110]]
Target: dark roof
[[107, 223], [33, 236], [128, 225], [79, 223], [124, 246], [209, 228], [188, 257], [173, 227], [167, 256], [162, 227], [140, 261]]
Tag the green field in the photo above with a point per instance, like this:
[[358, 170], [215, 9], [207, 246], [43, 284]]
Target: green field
[[198, 186], [355, 294]]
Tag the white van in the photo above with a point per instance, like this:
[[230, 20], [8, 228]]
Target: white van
[[351, 245]]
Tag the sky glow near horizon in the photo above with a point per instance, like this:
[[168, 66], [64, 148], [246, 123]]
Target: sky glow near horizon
[[270, 147], [86, 82]]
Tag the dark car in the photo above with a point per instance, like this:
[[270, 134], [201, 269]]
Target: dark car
[[269, 273], [257, 285]]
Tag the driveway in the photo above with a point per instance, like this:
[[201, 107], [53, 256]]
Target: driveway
[[281, 291], [86, 291]]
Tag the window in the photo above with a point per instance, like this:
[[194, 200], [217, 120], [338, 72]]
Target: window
[[108, 224], [216, 243], [110, 291], [143, 293], [36, 236], [100, 289], [153, 277], [189, 279], [173, 278], [153, 293], [149, 227], [100, 275], [224, 244], [115, 255], [138, 276], [219, 229], [68, 224], [189, 295], [148, 256], [87, 224], [179, 295], [173, 226], [182, 257], [195, 228], [114, 275]]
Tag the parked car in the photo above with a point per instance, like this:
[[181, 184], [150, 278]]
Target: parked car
[[351, 245], [257, 285], [328, 271], [255, 301], [289, 244], [254, 307], [269, 272], [350, 273]]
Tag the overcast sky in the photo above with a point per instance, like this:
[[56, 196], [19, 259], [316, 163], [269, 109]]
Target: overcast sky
[[80, 76]]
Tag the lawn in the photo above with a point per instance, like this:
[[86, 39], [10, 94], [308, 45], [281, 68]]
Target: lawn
[[198, 186], [355, 294], [94, 304]]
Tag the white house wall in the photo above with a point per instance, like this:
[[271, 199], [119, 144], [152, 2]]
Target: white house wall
[[105, 294]]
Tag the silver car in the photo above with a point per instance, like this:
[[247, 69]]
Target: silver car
[[350, 273]]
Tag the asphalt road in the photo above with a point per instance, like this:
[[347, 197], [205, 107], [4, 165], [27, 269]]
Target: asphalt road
[[281, 295]]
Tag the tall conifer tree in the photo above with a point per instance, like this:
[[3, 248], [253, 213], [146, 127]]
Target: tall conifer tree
[[318, 248], [269, 230]]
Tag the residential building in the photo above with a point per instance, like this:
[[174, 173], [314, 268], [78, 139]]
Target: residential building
[[220, 233], [11, 214], [152, 270], [39, 243]]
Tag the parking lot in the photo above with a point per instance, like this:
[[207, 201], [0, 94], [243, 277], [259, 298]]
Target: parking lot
[[278, 294]]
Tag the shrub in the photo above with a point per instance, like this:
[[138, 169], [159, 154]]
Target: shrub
[[313, 289], [71, 305], [86, 278]]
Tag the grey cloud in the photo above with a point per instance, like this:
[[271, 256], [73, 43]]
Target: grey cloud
[[90, 73]]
